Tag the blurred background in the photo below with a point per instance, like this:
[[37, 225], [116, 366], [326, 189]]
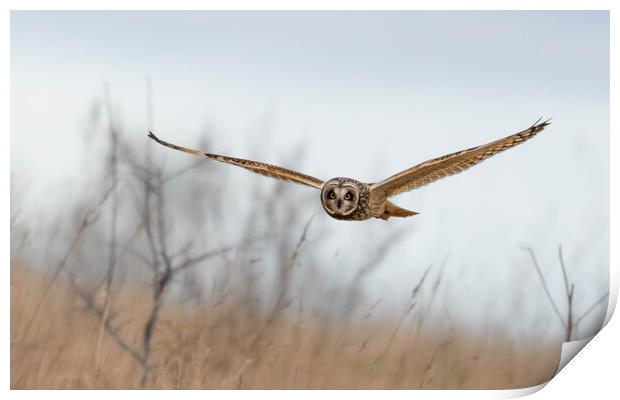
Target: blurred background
[[133, 265]]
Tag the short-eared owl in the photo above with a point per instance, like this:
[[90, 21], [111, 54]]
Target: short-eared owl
[[348, 199]]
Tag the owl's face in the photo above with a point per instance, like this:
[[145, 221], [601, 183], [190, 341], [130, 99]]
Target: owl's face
[[340, 197]]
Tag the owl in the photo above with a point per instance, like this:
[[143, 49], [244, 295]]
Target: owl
[[351, 200]]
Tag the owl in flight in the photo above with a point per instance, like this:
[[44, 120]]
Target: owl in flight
[[349, 199]]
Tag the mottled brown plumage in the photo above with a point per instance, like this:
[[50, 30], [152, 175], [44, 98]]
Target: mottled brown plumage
[[272, 171], [349, 199], [450, 164]]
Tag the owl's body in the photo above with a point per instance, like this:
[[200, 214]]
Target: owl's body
[[361, 205], [352, 200]]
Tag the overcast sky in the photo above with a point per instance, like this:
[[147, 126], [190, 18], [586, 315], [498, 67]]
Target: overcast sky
[[367, 94]]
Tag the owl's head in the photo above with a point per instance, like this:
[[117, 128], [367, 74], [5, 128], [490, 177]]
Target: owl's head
[[340, 197]]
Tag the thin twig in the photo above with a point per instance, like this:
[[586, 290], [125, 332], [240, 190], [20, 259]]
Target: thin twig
[[112, 331], [564, 274], [410, 305], [90, 217], [302, 239], [125, 248], [184, 170], [369, 313], [569, 324], [198, 259], [113, 163], [281, 302], [591, 308], [544, 284], [148, 332], [352, 298], [570, 290]]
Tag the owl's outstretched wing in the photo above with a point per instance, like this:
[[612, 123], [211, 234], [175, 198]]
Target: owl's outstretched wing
[[450, 164], [269, 170]]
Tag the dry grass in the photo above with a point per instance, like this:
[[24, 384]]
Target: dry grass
[[226, 345]]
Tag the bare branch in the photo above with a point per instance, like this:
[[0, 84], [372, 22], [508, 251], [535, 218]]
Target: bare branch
[[148, 334], [564, 275], [113, 156], [591, 308], [112, 331], [196, 260], [184, 170], [136, 253], [90, 217], [544, 283], [569, 323], [187, 247], [161, 224]]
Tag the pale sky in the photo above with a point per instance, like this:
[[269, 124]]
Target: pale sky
[[367, 94]]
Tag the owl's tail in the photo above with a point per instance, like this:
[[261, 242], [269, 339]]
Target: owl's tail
[[392, 210]]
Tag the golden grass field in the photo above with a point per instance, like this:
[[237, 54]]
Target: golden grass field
[[226, 346]]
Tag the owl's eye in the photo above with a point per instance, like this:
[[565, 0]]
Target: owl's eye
[[332, 195], [347, 196]]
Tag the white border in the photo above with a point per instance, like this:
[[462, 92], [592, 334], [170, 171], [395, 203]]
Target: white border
[[314, 5], [589, 374]]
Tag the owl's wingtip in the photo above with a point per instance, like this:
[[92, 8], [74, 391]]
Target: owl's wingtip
[[542, 124], [155, 138], [547, 121]]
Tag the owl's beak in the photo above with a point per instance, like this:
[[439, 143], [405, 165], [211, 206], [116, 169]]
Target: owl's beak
[[339, 203]]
